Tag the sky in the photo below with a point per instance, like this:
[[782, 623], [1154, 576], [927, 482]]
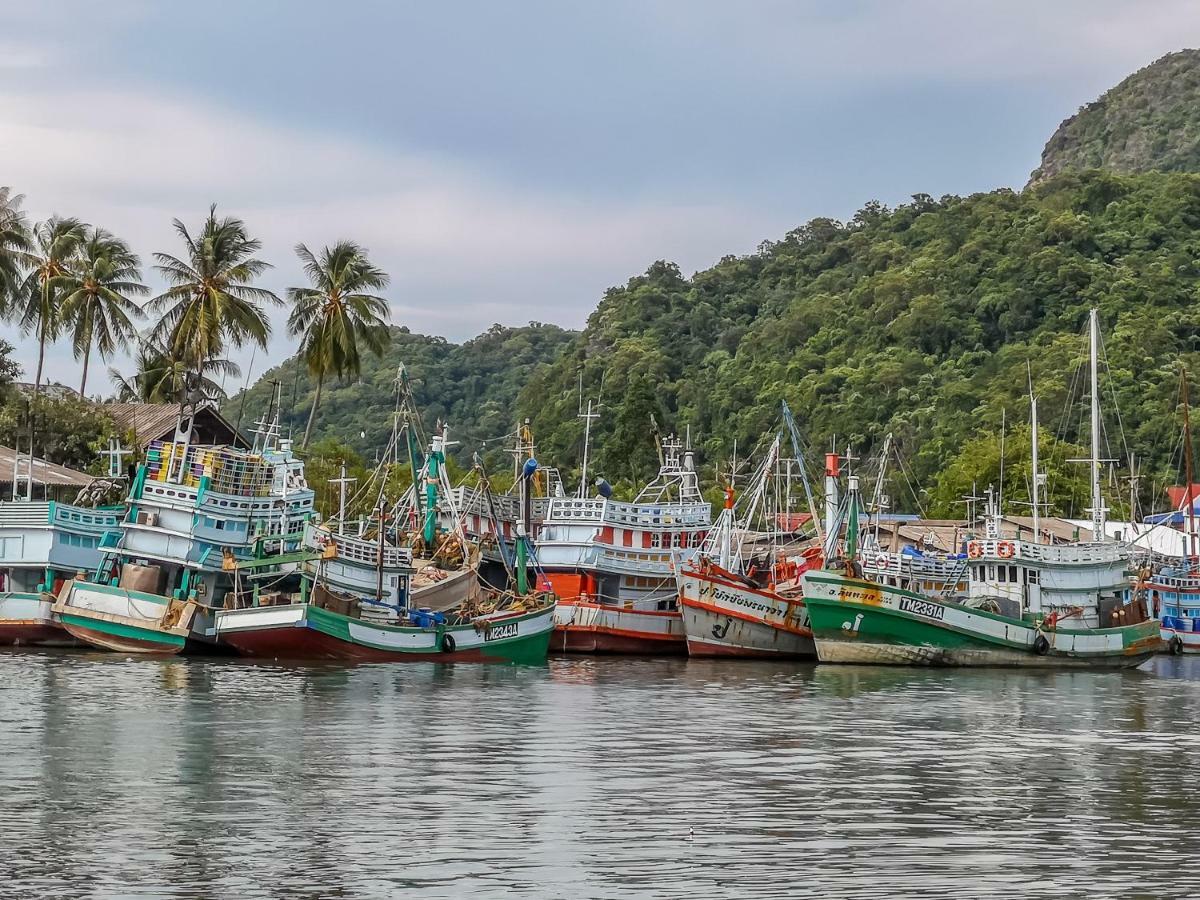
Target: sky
[[508, 162]]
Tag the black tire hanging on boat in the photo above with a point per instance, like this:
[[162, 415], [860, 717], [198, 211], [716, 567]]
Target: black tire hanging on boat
[[447, 643], [1175, 645], [1041, 646]]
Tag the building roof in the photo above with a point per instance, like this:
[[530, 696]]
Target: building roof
[[156, 422], [46, 473]]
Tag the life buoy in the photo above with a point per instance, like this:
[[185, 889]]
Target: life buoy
[[881, 561], [974, 550], [447, 643], [1041, 646], [1175, 645], [1005, 549]]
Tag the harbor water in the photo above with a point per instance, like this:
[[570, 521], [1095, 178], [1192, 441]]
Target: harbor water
[[593, 777]]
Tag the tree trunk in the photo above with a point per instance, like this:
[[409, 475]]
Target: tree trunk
[[312, 413], [87, 355]]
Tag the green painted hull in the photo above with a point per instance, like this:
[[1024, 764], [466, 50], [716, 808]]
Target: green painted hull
[[307, 632], [120, 636], [855, 621]]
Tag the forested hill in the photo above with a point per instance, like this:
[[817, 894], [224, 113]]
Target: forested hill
[[473, 386], [1148, 122], [918, 321]]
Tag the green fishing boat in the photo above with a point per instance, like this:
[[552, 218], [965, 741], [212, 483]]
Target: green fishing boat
[[1026, 603]]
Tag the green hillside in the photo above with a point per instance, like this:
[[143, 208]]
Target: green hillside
[[1148, 122], [918, 321], [473, 386]]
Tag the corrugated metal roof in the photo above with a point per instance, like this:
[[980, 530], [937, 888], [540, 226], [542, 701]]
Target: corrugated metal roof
[[46, 473], [154, 421]]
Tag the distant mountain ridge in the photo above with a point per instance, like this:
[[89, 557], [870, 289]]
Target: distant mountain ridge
[[1148, 122]]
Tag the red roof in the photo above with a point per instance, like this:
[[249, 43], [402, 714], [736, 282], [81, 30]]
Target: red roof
[[1178, 495]]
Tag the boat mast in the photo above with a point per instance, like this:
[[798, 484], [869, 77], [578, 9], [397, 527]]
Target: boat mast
[[587, 435], [1033, 419], [1187, 455], [1094, 362]]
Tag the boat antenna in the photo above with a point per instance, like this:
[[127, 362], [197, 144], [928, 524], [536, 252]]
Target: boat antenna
[[1033, 455]]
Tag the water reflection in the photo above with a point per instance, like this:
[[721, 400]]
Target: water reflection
[[590, 777]]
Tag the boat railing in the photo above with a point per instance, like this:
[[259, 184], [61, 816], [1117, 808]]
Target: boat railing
[[906, 565], [574, 509], [1090, 552], [673, 514], [357, 550]]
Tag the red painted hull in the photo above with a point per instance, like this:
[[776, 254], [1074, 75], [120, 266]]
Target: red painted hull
[[586, 640], [306, 644], [32, 633]]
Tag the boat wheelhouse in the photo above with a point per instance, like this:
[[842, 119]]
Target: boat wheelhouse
[[45, 542], [206, 527], [613, 563]]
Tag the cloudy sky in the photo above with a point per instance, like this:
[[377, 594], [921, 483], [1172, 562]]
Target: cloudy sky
[[507, 162]]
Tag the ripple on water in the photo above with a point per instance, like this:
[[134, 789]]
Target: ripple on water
[[592, 778]]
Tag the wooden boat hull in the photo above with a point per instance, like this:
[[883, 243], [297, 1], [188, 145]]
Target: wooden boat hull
[[120, 620], [26, 621], [857, 621], [724, 617], [585, 627], [305, 632]]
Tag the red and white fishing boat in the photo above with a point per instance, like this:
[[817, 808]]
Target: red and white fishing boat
[[751, 607], [612, 564]]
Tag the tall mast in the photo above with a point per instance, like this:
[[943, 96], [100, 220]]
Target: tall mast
[[1033, 419], [1187, 454], [587, 435], [1094, 362]]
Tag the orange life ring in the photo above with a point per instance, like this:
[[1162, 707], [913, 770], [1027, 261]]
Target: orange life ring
[[974, 550], [1005, 549]]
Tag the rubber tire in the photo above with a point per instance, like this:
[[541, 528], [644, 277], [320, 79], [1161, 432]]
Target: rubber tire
[[448, 643], [1041, 646], [1176, 645]]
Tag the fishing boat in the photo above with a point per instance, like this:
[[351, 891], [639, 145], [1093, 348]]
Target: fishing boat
[[359, 603], [1028, 604], [612, 564], [45, 542], [750, 605], [205, 527], [1171, 580]]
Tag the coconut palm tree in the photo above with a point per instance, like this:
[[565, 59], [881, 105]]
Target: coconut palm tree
[[98, 305], [161, 378], [211, 303], [335, 314], [14, 241], [49, 260]]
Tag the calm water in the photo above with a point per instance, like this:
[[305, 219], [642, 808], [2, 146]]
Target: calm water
[[593, 778]]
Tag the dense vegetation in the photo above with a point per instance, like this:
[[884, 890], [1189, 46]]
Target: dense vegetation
[[472, 386], [919, 321], [1148, 122]]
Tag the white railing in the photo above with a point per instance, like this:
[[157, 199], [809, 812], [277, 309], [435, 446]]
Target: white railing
[[1089, 553]]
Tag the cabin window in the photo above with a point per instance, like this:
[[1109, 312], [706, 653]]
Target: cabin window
[[991, 576], [1012, 574], [1032, 575], [1003, 573], [655, 540]]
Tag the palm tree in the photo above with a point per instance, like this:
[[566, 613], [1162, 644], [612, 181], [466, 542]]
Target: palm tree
[[98, 303], [54, 249], [212, 302], [161, 378], [335, 313], [14, 241]]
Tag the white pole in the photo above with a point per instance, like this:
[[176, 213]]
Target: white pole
[[1097, 500], [587, 434], [1037, 524]]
